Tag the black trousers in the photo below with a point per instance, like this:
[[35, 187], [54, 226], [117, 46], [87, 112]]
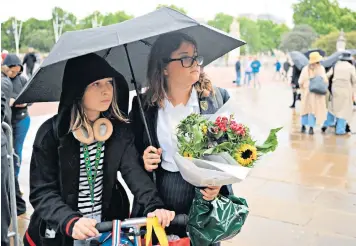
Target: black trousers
[[29, 70]]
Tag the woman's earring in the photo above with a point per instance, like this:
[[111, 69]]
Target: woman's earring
[[98, 133]]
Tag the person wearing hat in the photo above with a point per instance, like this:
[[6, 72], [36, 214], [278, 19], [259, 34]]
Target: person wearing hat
[[313, 106], [77, 154], [343, 79]]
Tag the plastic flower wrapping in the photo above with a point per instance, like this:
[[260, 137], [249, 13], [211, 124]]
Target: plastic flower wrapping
[[218, 149]]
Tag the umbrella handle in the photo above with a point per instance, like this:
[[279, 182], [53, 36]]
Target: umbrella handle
[[139, 104]]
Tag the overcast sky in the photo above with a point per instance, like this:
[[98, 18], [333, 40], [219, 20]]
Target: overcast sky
[[205, 9]]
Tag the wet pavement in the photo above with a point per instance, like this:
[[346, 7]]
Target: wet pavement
[[302, 194]]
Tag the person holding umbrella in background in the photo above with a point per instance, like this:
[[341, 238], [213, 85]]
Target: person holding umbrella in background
[[299, 62], [313, 108], [343, 84]]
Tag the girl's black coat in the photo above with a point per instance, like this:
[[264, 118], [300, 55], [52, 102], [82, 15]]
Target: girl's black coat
[[54, 178]]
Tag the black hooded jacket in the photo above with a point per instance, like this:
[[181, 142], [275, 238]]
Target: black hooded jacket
[[18, 83], [54, 169]]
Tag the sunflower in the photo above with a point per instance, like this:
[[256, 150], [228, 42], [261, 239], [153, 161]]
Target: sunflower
[[246, 155], [187, 154]]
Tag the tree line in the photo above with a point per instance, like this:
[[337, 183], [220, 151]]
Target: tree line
[[317, 23]]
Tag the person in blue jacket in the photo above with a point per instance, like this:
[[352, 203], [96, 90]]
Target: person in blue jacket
[[278, 73], [256, 65]]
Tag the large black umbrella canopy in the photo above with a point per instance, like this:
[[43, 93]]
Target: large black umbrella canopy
[[119, 43]]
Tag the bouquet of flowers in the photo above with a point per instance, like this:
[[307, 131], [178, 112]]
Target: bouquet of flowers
[[199, 137], [218, 152]]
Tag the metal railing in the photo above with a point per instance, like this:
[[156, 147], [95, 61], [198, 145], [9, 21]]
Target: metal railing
[[14, 233]]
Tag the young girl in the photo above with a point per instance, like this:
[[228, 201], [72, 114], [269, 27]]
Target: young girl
[[76, 156], [174, 67]]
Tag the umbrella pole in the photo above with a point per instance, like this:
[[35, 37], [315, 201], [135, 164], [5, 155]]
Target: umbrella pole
[[140, 104]]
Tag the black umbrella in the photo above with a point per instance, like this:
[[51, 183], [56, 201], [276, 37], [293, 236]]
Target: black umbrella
[[353, 52], [123, 44], [298, 59], [126, 47], [330, 61]]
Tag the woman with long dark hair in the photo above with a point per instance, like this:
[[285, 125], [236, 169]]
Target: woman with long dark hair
[[177, 88]]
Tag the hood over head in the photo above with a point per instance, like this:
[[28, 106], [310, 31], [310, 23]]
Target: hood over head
[[79, 72], [12, 60]]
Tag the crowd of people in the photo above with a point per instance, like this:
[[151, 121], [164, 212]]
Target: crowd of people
[[332, 106], [250, 69], [330, 109]]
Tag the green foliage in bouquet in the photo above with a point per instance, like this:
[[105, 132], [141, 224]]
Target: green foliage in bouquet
[[198, 136]]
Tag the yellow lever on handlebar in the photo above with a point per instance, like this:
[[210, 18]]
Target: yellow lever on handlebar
[[159, 231]]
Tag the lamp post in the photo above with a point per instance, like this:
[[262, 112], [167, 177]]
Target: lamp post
[[341, 41], [234, 32], [58, 23], [95, 22], [16, 28]]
